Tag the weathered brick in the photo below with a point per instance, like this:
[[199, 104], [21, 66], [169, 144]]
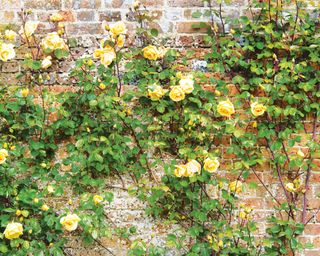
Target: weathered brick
[[185, 3], [187, 27], [110, 16], [40, 4], [86, 15]]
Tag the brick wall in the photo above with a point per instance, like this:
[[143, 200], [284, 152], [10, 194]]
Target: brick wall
[[174, 19]]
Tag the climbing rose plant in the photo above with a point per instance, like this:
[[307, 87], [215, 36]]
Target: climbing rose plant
[[135, 108]]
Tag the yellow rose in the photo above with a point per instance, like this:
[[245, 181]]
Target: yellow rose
[[121, 40], [18, 213], [13, 230], [36, 200], [225, 108], [180, 170], [117, 29], [10, 35], [290, 187], [242, 215], [3, 155], [150, 52], [50, 189], [97, 199], [44, 207], [7, 52], [107, 57], [53, 41], [257, 109], [211, 165], [28, 29], [102, 86], [235, 186], [98, 53], [187, 85], [70, 222], [300, 153], [56, 17], [25, 92], [176, 93], [46, 62], [156, 92], [193, 168]]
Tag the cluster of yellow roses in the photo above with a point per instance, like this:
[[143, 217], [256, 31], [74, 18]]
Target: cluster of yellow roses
[[235, 186], [69, 222], [7, 49], [193, 167], [177, 92], [245, 212], [226, 108], [152, 52], [3, 155], [294, 186], [106, 52]]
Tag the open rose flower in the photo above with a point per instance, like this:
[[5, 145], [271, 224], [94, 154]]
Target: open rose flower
[[193, 168], [28, 30], [3, 155], [53, 42], [156, 92], [225, 108], [177, 93], [150, 52], [70, 222], [211, 165], [7, 52], [13, 230], [180, 170], [257, 109]]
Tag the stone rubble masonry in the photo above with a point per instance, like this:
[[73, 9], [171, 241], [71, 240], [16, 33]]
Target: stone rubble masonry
[[83, 19]]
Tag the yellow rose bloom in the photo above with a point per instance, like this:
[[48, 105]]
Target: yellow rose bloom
[[193, 168], [290, 187], [121, 40], [235, 186], [13, 230], [242, 215], [177, 93], [102, 86], [70, 222], [156, 92], [117, 29], [187, 85], [211, 165], [150, 52], [44, 207], [97, 199], [53, 41], [225, 108], [56, 17], [46, 62], [220, 243], [10, 35], [28, 29], [50, 189], [3, 155], [180, 170], [107, 57], [7, 52], [300, 153], [257, 109], [25, 92]]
